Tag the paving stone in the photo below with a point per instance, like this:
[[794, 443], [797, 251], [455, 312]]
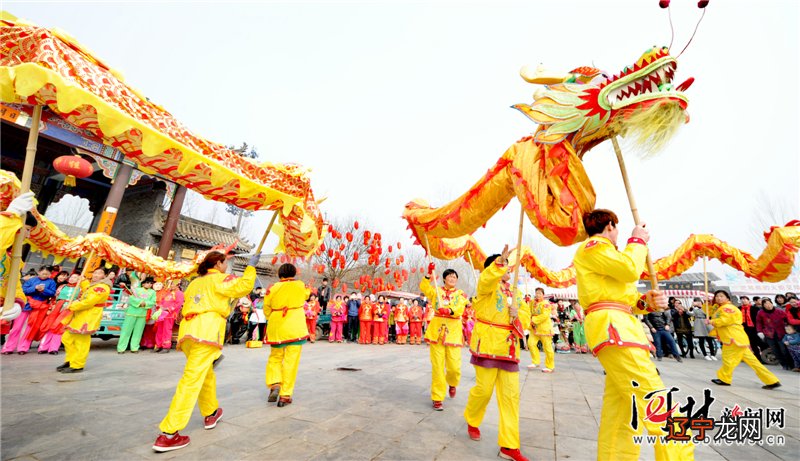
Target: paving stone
[[112, 410]]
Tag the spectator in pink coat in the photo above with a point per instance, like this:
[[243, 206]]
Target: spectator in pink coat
[[170, 305]]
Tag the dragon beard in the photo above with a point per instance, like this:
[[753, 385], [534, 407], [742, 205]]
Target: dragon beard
[[648, 130]]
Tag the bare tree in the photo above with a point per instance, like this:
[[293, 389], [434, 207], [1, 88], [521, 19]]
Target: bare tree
[[771, 211], [352, 268]]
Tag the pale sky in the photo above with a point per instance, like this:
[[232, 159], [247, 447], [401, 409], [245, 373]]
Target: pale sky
[[388, 101]]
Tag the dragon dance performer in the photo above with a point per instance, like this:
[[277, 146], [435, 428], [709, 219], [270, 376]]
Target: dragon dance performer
[[607, 285], [11, 221], [200, 337], [444, 334], [727, 322], [542, 332], [495, 354], [286, 333], [86, 315]]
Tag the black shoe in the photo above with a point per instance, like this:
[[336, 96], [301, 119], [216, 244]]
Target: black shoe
[[218, 360], [42, 352], [53, 352], [720, 382], [273, 394], [678, 358], [63, 366], [134, 352], [163, 351], [72, 370], [771, 386], [659, 359]]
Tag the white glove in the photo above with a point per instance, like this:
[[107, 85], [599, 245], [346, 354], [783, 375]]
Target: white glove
[[254, 259], [761, 335], [12, 313], [21, 204]]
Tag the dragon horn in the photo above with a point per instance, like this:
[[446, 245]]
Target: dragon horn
[[540, 76], [224, 249]]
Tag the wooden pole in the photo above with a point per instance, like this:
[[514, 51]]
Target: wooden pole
[[519, 256], [472, 269], [650, 267], [435, 283], [269, 228], [516, 273], [705, 289], [25, 186]]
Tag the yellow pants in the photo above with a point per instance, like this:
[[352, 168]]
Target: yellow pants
[[615, 438], [282, 368], [507, 385], [445, 369], [76, 348], [197, 385], [732, 356], [547, 346]]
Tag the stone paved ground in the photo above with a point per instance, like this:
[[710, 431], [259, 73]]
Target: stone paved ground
[[382, 411]]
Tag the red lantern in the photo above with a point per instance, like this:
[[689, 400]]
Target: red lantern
[[341, 247], [322, 247], [349, 237], [355, 256], [72, 166], [355, 225], [390, 248], [398, 245]]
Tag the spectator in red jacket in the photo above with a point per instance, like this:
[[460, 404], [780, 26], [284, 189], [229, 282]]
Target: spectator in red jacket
[[771, 326]]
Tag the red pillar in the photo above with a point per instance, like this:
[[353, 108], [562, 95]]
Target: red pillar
[[172, 222]]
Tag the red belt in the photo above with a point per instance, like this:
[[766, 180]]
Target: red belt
[[195, 314], [445, 317], [287, 309], [608, 306], [505, 327]]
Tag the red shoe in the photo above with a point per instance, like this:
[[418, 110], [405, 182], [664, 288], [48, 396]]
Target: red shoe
[[210, 421], [473, 432], [452, 392], [437, 405], [166, 443], [284, 400], [515, 454]]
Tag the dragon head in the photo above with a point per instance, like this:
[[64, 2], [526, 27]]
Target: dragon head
[[587, 106]]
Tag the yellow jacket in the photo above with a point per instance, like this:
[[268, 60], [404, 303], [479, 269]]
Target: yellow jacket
[[88, 310], [283, 306], [491, 336], [207, 304], [540, 318], [444, 329], [605, 274], [727, 322], [9, 225]]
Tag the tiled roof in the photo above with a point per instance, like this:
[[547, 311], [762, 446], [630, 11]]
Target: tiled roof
[[195, 231]]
